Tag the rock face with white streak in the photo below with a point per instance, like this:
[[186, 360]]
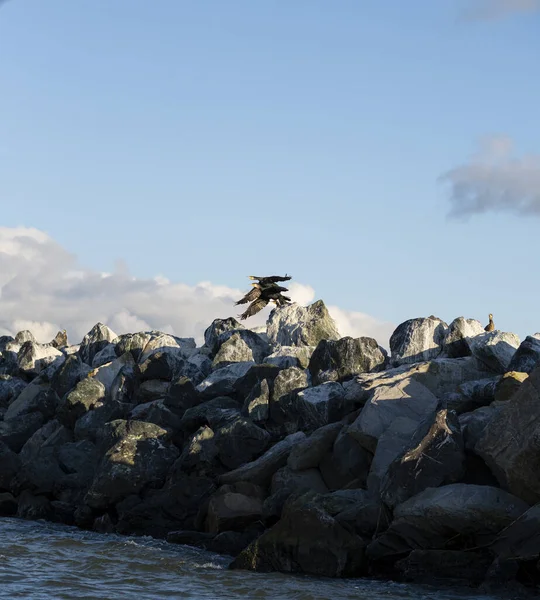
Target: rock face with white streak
[[417, 340]]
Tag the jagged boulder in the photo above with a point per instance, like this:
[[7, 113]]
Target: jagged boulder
[[33, 358], [521, 539], [14, 432], [10, 388], [163, 342], [239, 345], [217, 328], [435, 456], [473, 423], [200, 453], [140, 456], [223, 381], [417, 340], [134, 343], [34, 398], [509, 444], [453, 517], [402, 398], [69, 374], [527, 356], [257, 403], [283, 409], [290, 356], [508, 385], [457, 341], [90, 425], [337, 360], [94, 341], [298, 481], [472, 395], [495, 349], [320, 405], [159, 413], [182, 394], [294, 325], [107, 355], [306, 540], [84, 396], [207, 412], [347, 465], [310, 452]]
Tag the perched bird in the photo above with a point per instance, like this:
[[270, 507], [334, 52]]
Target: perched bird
[[491, 325], [265, 290]]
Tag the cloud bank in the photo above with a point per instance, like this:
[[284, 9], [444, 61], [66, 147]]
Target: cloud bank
[[495, 180], [489, 10], [43, 288]]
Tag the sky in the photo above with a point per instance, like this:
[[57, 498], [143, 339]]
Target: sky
[[384, 153]]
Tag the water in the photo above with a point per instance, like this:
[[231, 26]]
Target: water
[[45, 561]]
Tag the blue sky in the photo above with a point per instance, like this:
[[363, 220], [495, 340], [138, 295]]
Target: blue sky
[[207, 140]]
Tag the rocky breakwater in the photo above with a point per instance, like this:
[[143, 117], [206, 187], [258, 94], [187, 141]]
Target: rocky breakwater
[[293, 450]]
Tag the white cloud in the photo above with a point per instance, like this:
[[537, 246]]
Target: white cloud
[[494, 180], [487, 10], [44, 289]]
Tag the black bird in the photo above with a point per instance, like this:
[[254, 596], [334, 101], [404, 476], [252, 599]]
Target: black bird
[[265, 290], [271, 279]]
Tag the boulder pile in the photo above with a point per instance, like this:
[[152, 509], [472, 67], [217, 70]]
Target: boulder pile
[[293, 450]]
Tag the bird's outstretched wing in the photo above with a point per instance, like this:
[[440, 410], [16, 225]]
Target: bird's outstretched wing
[[254, 308], [272, 278], [250, 296]]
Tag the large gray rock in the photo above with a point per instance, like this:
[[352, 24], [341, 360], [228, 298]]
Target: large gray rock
[[521, 539], [217, 328], [84, 396], [453, 517], [294, 325], [10, 388], [417, 340], [306, 540], [320, 405], [284, 415], [94, 341], [261, 470], [290, 356], [336, 360], [35, 397], [239, 345], [435, 456], [15, 432], [234, 508], [473, 423], [472, 395], [200, 453], [207, 412], [509, 444], [298, 481], [104, 356], [69, 374], [257, 404], [134, 343], [347, 465], [457, 341], [107, 373], [139, 457], [310, 452], [90, 425], [404, 398], [495, 349], [222, 382], [33, 358], [527, 356], [163, 342]]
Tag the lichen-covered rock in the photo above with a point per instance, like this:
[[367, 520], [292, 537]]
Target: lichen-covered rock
[[337, 360], [290, 356], [222, 382], [495, 349], [527, 356], [435, 456], [134, 343], [453, 517], [200, 452], [417, 340], [94, 341], [239, 346], [457, 341], [508, 385], [306, 540], [294, 325], [84, 396], [69, 374], [283, 410], [509, 444], [217, 328], [140, 457], [320, 405], [257, 404]]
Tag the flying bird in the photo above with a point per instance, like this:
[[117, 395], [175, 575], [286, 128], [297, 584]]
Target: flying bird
[[491, 325], [265, 290]]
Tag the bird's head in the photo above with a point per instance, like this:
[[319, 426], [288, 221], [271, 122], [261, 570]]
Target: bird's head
[[490, 316]]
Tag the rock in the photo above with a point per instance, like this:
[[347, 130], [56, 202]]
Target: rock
[[162, 364], [217, 328], [8, 505], [182, 394], [404, 398], [391, 445], [239, 346], [8, 363], [159, 413], [134, 343], [60, 340], [347, 465], [91, 423], [34, 397], [69, 374], [434, 457], [10, 388], [521, 539], [417, 340], [357, 511], [222, 382], [15, 432], [25, 336], [33, 358], [231, 510], [508, 385], [290, 356], [257, 404], [233, 542], [261, 470], [84, 397], [104, 356], [310, 452], [10, 466], [472, 395], [34, 507], [457, 341], [150, 390], [294, 325], [298, 481], [255, 374], [283, 410], [337, 360], [200, 453], [321, 405], [140, 458], [4, 341], [206, 412], [495, 349], [434, 566], [453, 517], [123, 388], [509, 444], [306, 540], [527, 356], [473, 423], [94, 341], [107, 373]]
